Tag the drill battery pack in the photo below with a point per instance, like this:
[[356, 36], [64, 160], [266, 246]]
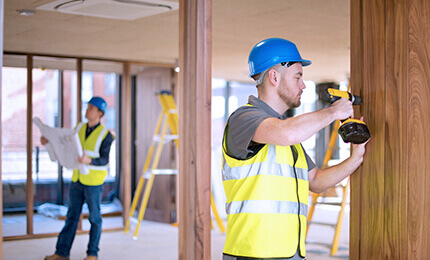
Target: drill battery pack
[[354, 131]]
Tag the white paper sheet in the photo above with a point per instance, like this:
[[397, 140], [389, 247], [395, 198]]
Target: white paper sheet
[[63, 146]]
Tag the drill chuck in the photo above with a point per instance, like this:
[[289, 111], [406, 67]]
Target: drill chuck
[[331, 95]]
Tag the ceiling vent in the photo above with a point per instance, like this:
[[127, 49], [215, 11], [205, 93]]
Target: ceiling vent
[[112, 9]]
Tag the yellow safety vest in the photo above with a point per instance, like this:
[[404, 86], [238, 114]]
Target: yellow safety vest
[[91, 146], [267, 200]]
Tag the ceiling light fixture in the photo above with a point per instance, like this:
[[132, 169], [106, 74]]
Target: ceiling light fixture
[[176, 66], [143, 3], [26, 12], [69, 2]]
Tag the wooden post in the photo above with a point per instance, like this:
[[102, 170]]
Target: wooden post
[[1, 78], [30, 200], [195, 32], [390, 69], [126, 141], [79, 109], [79, 90]]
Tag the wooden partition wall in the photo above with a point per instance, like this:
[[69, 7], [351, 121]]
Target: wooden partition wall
[[390, 193]]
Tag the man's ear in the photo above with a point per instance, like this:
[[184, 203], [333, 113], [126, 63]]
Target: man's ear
[[273, 76]]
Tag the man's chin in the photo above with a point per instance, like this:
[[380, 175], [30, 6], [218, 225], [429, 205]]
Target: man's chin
[[297, 104]]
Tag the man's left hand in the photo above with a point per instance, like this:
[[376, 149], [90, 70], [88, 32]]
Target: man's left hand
[[358, 150], [84, 159]]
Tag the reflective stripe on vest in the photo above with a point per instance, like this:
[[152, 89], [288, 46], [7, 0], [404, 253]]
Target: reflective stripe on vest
[[266, 213], [91, 146], [265, 206]]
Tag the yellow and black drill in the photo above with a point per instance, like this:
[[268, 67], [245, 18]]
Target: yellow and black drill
[[351, 130]]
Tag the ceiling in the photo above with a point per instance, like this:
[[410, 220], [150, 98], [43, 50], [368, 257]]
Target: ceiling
[[320, 29]]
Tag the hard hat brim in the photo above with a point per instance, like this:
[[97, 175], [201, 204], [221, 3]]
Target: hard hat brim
[[303, 62]]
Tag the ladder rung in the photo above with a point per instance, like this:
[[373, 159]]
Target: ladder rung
[[322, 224], [167, 138], [133, 220], [164, 171], [147, 174]]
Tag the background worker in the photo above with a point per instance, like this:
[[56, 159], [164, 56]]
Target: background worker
[[96, 141], [266, 172]]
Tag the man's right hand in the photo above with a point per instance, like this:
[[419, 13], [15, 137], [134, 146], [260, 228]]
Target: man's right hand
[[43, 140], [342, 109]]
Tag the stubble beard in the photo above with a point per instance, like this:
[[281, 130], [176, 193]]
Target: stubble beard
[[287, 98]]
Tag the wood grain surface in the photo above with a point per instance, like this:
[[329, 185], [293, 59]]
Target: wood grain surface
[[357, 63], [419, 123], [373, 109], [161, 204], [29, 185], [195, 34], [396, 139], [1, 145], [390, 65], [126, 142]]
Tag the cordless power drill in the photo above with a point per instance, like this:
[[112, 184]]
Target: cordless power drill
[[351, 130]]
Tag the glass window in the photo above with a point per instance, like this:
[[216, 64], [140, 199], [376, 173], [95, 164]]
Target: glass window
[[101, 79], [239, 94], [14, 148], [70, 116], [308, 105]]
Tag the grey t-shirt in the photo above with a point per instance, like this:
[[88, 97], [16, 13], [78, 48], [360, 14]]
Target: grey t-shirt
[[241, 127]]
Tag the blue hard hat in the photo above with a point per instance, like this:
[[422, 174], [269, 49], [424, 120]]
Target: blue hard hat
[[272, 51], [98, 102]]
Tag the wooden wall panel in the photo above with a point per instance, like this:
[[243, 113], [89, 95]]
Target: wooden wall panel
[[395, 161], [419, 125], [390, 58], [373, 110], [161, 204], [357, 63]]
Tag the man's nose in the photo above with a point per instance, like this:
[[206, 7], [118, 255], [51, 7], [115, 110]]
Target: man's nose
[[303, 84]]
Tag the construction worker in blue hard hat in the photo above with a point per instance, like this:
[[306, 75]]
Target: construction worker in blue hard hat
[[96, 141], [267, 173]]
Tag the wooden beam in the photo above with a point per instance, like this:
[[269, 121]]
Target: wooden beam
[[79, 107], [134, 62], [195, 32], [79, 90], [46, 235], [30, 200], [1, 78], [126, 141]]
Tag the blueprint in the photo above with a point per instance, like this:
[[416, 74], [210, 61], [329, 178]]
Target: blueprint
[[63, 146]]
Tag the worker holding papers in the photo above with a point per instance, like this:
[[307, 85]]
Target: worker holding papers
[[91, 164]]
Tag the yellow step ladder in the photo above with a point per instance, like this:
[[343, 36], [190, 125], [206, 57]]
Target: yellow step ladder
[[345, 192], [168, 118]]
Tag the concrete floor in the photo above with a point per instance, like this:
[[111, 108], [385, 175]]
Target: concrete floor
[[159, 241]]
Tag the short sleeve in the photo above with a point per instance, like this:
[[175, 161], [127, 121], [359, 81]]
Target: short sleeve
[[311, 164], [240, 130]]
